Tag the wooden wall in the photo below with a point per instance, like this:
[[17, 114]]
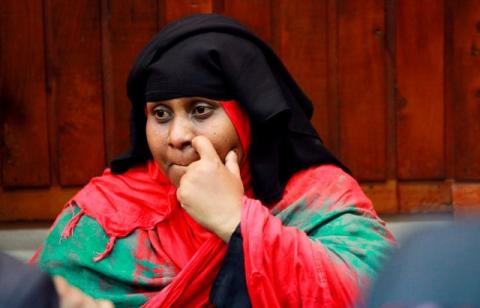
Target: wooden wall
[[395, 83]]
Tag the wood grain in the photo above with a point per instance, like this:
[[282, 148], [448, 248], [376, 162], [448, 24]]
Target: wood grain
[[333, 105], [425, 197], [302, 36], [174, 9], [466, 195], [255, 14], [466, 88], [74, 78], [466, 198], [127, 25], [420, 90], [23, 106], [383, 196], [33, 204], [362, 87]]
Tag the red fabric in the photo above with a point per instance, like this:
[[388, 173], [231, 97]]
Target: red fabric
[[139, 198], [241, 123], [191, 286], [144, 198], [283, 266], [313, 281]]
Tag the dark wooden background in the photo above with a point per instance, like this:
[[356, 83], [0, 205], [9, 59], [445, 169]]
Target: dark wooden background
[[395, 83]]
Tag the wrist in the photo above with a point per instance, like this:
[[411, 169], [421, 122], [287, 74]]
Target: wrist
[[228, 226]]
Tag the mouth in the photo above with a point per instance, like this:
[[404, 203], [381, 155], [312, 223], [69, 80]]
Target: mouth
[[179, 163], [177, 170], [180, 159]]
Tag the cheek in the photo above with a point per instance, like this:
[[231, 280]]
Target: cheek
[[225, 139], [156, 141]]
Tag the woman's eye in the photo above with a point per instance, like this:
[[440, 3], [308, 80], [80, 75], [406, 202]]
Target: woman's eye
[[202, 111], [161, 115]]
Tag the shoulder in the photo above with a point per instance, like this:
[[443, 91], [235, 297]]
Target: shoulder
[[322, 173], [325, 182], [322, 177]]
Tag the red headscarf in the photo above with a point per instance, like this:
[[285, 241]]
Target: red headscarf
[[242, 126]]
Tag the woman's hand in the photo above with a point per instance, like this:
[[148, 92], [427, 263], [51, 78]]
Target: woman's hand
[[71, 297], [210, 191]]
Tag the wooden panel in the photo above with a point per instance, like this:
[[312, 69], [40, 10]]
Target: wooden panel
[[255, 14], [175, 9], [466, 198], [127, 25], [466, 87], [420, 99], [362, 88], [425, 197], [302, 37], [74, 80], [383, 196], [450, 104], [391, 136], [333, 106], [38, 204], [466, 194], [22, 95]]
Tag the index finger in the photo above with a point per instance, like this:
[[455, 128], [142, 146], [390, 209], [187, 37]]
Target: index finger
[[204, 148]]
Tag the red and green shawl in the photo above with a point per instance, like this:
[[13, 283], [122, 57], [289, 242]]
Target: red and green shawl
[[125, 238]]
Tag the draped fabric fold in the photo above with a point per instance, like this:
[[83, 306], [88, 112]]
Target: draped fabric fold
[[321, 246], [323, 238]]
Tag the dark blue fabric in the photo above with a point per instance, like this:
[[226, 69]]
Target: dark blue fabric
[[23, 285], [229, 288], [438, 268]]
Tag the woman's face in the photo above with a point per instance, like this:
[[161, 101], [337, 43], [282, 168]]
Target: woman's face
[[173, 123]]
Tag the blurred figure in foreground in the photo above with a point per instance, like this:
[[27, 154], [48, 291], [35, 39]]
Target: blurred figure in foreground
[[23, 285], [437, 268]]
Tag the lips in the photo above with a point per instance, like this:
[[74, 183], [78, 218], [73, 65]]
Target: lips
[[181, 162], [170, 165], [183, 157]]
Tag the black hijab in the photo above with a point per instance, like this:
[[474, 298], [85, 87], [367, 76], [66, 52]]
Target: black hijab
[[214, 56]]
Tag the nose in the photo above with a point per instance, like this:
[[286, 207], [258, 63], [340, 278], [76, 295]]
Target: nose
[[180, 133]]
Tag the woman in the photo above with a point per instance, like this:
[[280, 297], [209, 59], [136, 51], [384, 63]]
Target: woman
[[227, 195]]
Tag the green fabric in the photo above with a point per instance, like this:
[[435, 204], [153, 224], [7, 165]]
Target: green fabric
[[350, 234], [72, 258]]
